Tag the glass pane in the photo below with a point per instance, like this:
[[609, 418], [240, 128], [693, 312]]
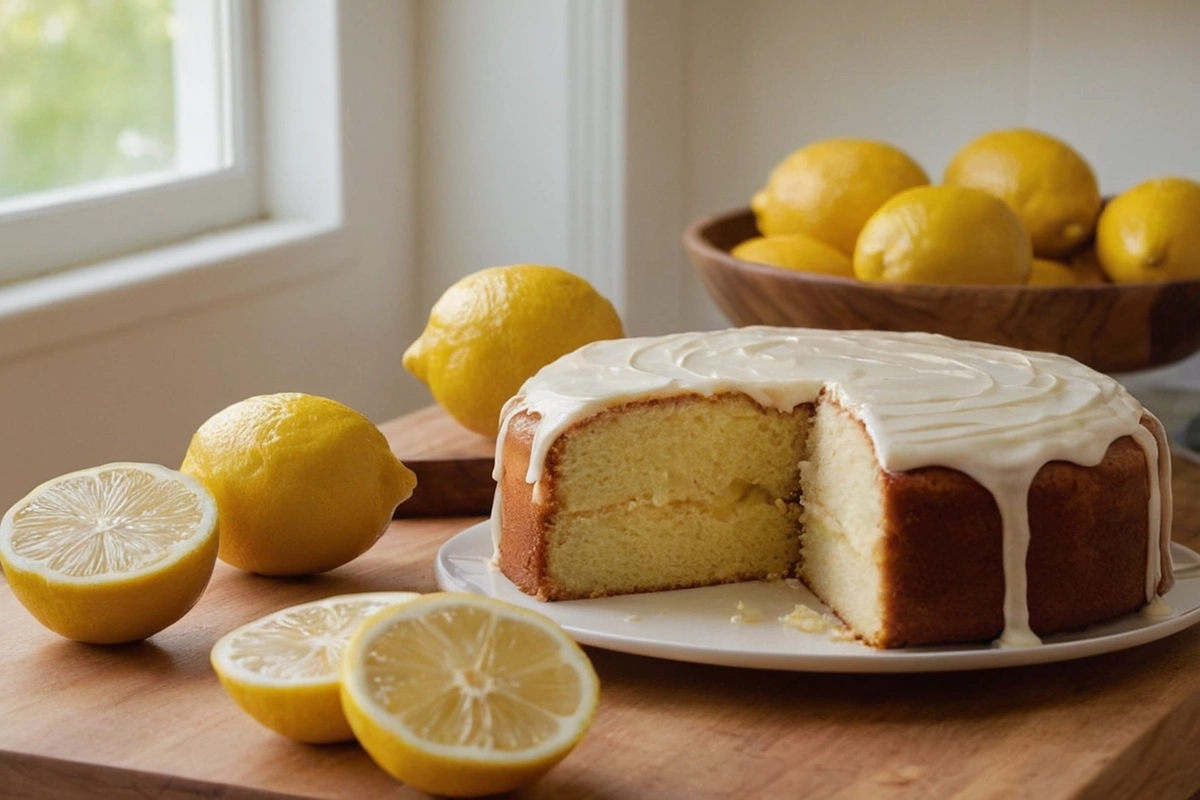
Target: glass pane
[[87, 91]]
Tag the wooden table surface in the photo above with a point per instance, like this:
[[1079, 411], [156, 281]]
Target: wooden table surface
[[150, 721]]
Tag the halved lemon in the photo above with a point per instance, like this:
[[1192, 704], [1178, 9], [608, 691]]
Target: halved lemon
[[282, 669], [113, 553], [463, 695]]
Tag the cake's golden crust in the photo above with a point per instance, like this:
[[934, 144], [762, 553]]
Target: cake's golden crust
[[942, 560], [522, 547]]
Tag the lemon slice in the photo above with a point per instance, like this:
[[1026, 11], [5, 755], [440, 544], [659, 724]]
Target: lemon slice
[[282, 669], [463, 695], [113, 553]]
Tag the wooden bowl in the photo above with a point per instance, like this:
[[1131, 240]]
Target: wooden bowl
[[1110, 327]]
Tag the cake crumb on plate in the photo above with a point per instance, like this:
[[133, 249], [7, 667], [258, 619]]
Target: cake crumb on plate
[[746, 614], [805, 619]]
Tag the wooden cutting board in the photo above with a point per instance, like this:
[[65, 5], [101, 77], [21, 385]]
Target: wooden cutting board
[[453, 465]]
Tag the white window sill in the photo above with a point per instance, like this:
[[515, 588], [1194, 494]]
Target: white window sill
[[120, 292]]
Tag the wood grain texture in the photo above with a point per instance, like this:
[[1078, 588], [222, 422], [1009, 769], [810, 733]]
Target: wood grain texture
[[1110, 327], [150, 719], [453, 465], [25, 777]]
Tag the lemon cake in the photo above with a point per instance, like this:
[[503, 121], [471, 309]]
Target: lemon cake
[[927, 490]]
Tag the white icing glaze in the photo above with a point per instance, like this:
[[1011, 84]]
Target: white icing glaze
[[994, 413]]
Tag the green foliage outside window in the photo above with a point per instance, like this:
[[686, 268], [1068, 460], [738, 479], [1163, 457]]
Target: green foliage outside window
[[86, 91]]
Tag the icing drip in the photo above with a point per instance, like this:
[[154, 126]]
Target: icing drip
[[1014, 515], [994, 413], [1153, 570]]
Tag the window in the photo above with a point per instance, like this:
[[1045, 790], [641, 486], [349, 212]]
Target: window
[[123, 124]]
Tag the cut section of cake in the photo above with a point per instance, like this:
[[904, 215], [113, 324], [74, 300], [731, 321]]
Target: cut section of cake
[[927, 490], [668, 494]]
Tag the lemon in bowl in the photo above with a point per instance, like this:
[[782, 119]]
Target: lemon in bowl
[[829, 188], [304, 483], [797, 251], [1048, 272], [1044, 180], [947, 235], [1151, 232]]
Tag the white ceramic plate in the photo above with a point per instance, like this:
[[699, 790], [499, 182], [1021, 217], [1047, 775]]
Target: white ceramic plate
[[697, 624]]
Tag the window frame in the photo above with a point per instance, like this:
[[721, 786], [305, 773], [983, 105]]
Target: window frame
[[299, 233], [112, 217]]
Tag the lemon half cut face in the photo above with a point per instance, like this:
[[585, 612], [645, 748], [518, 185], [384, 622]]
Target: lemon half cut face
[[464, 695], [113, 553]]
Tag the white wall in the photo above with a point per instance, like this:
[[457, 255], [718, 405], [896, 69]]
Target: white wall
[[491, 118]]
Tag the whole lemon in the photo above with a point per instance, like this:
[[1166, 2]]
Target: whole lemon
[[829, 188], [797, 251], [1042, 178], [303, 484], [1152, 232], [945, 235], [494, 329]]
